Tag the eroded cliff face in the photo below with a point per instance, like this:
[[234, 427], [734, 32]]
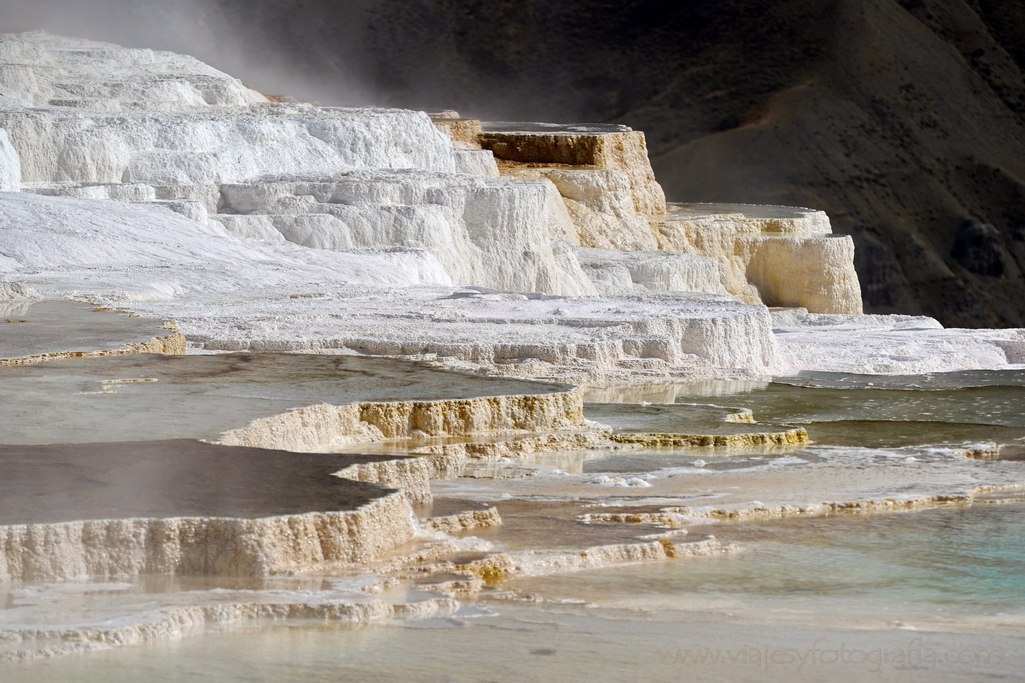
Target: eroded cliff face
[[203, 546], [772, 255], [780, 256]]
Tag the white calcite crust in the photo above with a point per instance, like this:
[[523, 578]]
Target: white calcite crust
[[10, 165], [890, 345], [494, 232], [41, 69], [123, 252], [598, 338], [153, 181], [623, 272], [223, 144], [475, 162], [155, 261]]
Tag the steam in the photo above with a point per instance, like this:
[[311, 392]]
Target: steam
[[394, 53], [251, 41]]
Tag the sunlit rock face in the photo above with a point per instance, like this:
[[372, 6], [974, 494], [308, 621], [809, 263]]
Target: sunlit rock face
[[616, 148], [488, 231], [780, 256]]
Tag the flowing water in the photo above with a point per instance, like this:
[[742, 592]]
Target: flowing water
[[933, 595], [924, 595]]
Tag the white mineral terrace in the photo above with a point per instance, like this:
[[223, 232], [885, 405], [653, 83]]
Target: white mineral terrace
[[264, 361], [155, 182]]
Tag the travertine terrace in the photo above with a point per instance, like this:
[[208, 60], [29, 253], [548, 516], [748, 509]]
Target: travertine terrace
[[246, 338], [38, 331], [172, 186], [73, 511]]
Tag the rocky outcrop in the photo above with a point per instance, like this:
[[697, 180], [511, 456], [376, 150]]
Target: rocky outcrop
[[488, 231], [202, 546], [615, 148], [779, 256], [773, 255]]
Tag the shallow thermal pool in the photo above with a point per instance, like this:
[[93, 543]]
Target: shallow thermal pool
[[937, 594], [931, 595]]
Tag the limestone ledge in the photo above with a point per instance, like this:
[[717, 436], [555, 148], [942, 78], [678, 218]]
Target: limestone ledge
[[172, 343], [591, 435], [453, 458], [500, 566], [323, 427], [788, 437], [497, 425], [676, 517], [585, 339], [203, 546], [178, 622], [412, 476], [465, 521]]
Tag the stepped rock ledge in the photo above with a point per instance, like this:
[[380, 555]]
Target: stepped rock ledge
[[153, 182], [240, 336]]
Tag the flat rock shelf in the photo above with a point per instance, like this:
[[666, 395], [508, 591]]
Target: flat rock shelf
[[149, 396], [43, 330]]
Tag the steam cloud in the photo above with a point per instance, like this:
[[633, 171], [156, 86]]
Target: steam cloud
[[243, 39]]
